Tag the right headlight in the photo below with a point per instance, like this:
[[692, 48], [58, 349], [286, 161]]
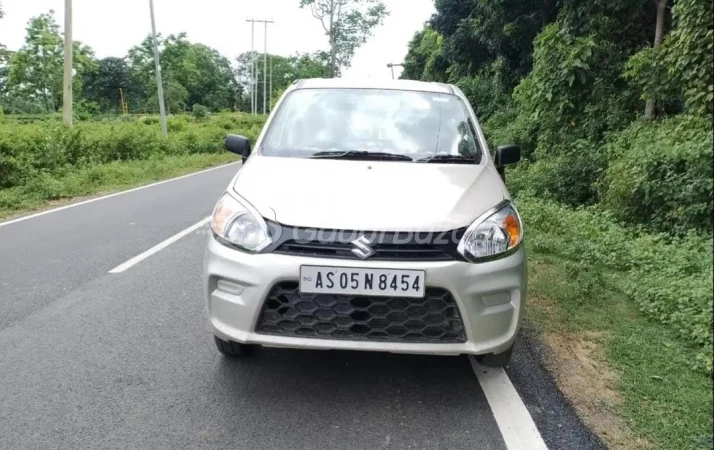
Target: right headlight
[[233, 222], [493, 234]]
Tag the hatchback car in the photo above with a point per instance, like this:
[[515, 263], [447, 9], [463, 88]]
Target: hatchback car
[[370, 216]]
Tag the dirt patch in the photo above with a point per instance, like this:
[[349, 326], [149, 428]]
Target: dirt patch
[[577, 364]]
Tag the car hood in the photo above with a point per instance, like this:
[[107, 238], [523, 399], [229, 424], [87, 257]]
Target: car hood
[[368, 195]]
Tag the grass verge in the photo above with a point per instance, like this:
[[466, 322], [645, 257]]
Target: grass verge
[[631, 378], [48, 190]]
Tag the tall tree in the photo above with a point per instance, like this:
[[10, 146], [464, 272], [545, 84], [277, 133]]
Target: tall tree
[[478, 33], [347, 24], [659, 37], [36, 70], [196, 73], [425, 59], [108, 83], [206, 75]]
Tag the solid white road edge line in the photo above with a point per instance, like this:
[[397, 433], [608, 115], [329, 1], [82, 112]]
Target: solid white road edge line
[[92, 200], [157, 248], [515, 423]]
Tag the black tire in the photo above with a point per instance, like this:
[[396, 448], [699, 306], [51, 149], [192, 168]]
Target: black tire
[[233, 349], [496, 359]]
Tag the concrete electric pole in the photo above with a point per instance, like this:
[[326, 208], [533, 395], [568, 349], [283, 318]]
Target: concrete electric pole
[[252, 66], [160, 87], [265, 71], [392, 66], [68, 63]]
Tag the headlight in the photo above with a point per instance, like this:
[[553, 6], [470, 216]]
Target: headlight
[[492, 234], [236, 224]]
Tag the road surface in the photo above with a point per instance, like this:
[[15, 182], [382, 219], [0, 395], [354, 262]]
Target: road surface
[[97, 358]]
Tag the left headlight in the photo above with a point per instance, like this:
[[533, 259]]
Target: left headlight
[[492, 235], [236, 224]]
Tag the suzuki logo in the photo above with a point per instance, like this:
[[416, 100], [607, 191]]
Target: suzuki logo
[[364, 247]]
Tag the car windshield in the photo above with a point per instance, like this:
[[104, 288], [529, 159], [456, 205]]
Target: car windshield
[[425, 126]]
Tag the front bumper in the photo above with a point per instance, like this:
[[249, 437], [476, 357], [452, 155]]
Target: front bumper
[[490, 297]]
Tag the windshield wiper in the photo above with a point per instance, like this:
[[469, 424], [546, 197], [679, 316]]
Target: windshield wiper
[[358, 155], [448, 159]]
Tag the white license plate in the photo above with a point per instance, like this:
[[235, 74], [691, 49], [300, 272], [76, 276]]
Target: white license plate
[[355, 281]]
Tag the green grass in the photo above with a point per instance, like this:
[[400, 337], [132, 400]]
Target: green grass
[[666, 398], [40, 191]]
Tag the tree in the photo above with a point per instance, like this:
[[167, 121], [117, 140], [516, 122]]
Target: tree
[[206, 75], [478, 33], [425, 59], [197, 73], [347, 24], [36, 70], [106, 85], [659, 37], [141, 63], [284, 70]]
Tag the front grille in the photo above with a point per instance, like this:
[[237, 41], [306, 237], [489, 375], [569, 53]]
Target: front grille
[[432, 319], [388, 246], [384, 252]]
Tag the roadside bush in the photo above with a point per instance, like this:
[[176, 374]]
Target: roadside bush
[[29, 152], [670, 280], [200, 112], [486, 91], [508, 126], [661, 174], [571, 178]]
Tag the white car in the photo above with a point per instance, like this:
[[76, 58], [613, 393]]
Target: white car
[[370, 216]]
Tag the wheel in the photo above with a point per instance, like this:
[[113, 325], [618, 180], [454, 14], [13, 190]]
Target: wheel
[[233, 349], [496, 359]]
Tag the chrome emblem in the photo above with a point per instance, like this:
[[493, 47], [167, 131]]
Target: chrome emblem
[[363, 247]]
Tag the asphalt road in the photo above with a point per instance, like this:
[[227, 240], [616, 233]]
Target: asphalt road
[[95, 360]]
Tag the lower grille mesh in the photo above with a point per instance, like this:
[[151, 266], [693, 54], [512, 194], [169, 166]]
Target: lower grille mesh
[[432, 319]]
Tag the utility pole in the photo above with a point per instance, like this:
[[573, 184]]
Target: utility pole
[[392, 66], [254, 69], [271, 83], [162, 109], [252, 66], [265, 71], [68, 57]]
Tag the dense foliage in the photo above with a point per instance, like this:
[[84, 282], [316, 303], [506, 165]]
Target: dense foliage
[[32, 153], [669, 279], [568, 82], [193, 74]]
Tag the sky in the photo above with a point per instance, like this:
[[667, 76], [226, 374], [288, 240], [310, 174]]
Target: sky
[[111, 27]]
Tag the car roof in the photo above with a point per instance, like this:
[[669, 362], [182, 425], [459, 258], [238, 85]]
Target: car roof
[[401, 85]]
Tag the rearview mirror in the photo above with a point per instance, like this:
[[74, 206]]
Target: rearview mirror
[[507, 154], [240, 145]]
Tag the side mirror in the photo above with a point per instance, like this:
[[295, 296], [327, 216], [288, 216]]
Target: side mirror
[[507, 154], [240, 145]]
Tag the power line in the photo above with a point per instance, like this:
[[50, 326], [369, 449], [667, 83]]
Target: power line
[[253, 69]]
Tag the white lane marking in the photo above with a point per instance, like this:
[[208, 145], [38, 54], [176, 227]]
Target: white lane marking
[[157, 248], [515, 423], [92, 200]]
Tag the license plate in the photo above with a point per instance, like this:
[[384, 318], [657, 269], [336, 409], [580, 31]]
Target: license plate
[[355, 281]]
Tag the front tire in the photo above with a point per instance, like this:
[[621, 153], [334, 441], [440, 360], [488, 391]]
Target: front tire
[[233, 349], [497, 359]]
